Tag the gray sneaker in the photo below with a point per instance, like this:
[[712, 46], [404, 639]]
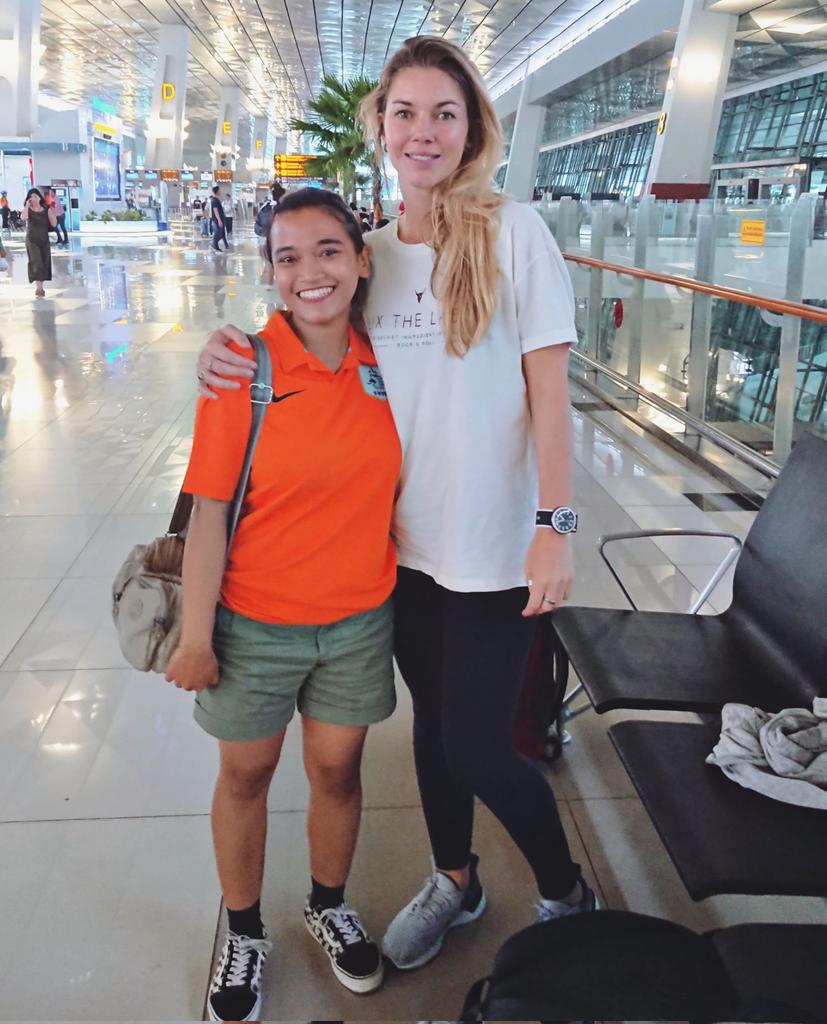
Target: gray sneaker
[[549, 910], [417, 933]]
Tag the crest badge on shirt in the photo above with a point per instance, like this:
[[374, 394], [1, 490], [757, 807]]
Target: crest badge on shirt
[[372, 382]]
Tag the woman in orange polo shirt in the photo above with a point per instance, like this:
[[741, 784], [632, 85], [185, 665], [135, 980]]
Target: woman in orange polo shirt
[[300, 614]]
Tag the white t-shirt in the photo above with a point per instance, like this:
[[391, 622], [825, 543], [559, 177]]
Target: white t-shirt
[[469, 489]]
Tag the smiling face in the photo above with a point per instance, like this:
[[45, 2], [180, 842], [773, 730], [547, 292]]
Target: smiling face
[[316, 266], [425, 126]]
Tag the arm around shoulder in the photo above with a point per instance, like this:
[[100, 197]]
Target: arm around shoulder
[[219, 366]]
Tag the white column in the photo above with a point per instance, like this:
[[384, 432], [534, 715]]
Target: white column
[[19, 67], [682, 158], [226, 129], [521, 173], [259, 147], [166, 128]]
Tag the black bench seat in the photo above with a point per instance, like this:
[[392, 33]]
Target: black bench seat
[[721, 837], [768, 649]]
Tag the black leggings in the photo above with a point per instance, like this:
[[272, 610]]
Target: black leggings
[[463, 657]]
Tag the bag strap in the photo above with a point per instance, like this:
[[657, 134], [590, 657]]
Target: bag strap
[[261, 395], [181, 516]]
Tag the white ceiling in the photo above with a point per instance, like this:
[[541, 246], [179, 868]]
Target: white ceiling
[[276, 51]]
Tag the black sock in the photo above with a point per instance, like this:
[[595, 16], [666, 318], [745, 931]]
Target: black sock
[[323, 897], [247, 922]]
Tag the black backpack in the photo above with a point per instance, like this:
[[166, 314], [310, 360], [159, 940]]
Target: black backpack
[[609, 965], [264, 218]]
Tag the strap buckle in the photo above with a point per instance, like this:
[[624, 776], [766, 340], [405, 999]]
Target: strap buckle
[[264, 387]]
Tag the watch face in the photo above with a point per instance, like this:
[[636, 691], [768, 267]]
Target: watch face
[[564, 521]]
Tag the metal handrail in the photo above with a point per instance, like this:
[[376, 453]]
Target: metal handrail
[[782, 306], [729, 444]]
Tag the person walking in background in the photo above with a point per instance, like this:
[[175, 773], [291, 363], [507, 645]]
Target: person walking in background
[[219, 231], [4, 210], [39, 220], [60, 215], [227, 206], [261, 227], [471, 314], [196, 210], [304, 619], [206, 219]]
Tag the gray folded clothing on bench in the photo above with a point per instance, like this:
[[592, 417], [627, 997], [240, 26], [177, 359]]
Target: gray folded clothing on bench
[[783, 756]]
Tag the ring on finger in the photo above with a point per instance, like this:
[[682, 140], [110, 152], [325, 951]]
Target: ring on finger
[[548, 600]]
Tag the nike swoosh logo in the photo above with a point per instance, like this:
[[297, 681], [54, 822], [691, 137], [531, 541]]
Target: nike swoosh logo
[[281, 398]]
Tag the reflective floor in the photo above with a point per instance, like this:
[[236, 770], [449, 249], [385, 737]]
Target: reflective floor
[[110, 903]]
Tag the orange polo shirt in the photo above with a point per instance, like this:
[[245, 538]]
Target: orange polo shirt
[[313, 545]]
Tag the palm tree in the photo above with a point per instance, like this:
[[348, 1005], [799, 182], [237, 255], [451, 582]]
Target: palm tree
[[333, 126]]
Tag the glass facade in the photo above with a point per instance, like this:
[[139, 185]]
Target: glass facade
[[607, 164], [786, 121], [607, 100], [789, 120]]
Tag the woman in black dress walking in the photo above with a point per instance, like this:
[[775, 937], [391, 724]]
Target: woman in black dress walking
[[39, 220]]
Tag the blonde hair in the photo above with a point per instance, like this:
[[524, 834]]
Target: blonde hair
[[465, 209]]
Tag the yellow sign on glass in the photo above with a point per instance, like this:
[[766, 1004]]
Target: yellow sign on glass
[[259, 144], [167, 91], [662, 122], [753, 232], [227, 127]]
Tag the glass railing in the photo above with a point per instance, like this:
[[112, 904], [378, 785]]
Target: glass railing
[[748, 247], [746, 371]]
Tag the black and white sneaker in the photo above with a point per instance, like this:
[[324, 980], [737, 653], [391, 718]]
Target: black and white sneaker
[[235, 990], [354, 956]]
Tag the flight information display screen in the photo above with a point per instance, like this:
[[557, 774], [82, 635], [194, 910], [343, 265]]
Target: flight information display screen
[[107, 167]]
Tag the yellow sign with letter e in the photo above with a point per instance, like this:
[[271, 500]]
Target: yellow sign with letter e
[[753, 232]]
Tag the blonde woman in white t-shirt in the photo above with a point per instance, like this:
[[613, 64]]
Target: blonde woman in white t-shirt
[[470, 312]]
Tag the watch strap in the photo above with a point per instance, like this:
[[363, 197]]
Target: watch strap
[[548, 517]]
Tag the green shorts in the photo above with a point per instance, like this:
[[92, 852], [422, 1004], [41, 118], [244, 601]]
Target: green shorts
[[341, 673]]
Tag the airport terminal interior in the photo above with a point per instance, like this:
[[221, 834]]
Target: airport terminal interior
[[677, 151]]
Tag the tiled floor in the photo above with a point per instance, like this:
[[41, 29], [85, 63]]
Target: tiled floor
[[110, 904]]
